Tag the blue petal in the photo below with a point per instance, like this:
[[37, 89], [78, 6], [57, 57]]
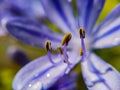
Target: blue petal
[[108, 33], [99, 75], [39, 74], [88, 11], [67, 82], [31, 8], [30, 32], [4, 9], [60, 12], [4, 12]]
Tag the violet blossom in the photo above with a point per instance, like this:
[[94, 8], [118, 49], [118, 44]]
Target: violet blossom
[[78, 39]]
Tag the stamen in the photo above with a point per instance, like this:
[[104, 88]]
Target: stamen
[[60, 50], [65, 55], [48, 45], [66, 38], [49, 49], [81, 52], [82, 49], [82, 32]]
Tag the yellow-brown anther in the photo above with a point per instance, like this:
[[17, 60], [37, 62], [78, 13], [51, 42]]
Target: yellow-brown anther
[[48, 45], [81, 52], [82, 32], [60, 49], [66, 38]]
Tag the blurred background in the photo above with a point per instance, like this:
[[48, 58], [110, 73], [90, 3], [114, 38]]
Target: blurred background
[[14, 54]]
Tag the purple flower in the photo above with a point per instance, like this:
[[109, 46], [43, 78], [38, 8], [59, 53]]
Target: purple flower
[[17, 55], [80, 38]]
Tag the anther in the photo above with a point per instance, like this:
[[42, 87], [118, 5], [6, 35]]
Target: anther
[[63, 54], [48, 45], [66, 38], [81, 52], [82, 32], [60, 50], [49, 49]]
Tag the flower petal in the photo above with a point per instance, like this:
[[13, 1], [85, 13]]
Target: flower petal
[[88, 11], [108, 32], [4, 10], [67, 82], [32, 8], [39, 74], [99, 75], [30, 32], [60, 12]]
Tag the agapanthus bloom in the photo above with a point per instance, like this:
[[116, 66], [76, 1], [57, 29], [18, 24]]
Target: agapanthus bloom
[[80, 38]]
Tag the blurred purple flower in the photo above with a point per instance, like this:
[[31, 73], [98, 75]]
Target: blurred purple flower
[[43, 72], [17, 55]]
